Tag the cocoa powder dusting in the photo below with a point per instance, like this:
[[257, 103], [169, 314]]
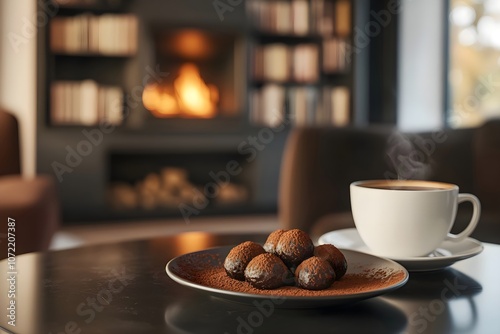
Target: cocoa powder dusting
[[211, 273]]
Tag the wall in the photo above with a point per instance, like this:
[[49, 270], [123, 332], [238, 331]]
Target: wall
[[421, 65], [18, 72]]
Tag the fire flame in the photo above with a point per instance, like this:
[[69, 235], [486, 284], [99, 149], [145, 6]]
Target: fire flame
[[190, 96]]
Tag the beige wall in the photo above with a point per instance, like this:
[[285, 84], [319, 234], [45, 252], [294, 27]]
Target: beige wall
[[18, 72]]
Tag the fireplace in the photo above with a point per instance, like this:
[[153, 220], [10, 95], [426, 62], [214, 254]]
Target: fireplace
[[204, 92], [206, 75], [158, 184]]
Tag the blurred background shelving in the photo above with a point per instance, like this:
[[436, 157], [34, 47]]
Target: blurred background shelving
[[252, 70], [298, 48]]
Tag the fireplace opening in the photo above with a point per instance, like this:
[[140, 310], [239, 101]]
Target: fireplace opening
[[154, 184], [206, 75]]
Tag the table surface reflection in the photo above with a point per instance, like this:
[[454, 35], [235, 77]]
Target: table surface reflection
[[123, 288]]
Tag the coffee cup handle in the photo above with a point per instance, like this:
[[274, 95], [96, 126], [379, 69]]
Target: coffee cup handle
[[476, 207]]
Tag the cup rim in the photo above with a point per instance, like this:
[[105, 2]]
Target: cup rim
[[371, 184]]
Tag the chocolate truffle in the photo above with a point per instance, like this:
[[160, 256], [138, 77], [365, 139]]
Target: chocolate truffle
[[314, 274], [267, 271], [272, 241], [334, 256], [294, 246], [239, 257]]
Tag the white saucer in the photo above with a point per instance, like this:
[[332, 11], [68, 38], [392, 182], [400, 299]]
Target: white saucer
[[448, 252]]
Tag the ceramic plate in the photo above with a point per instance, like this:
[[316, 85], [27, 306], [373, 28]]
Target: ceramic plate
[[384, 276], [448, 252]]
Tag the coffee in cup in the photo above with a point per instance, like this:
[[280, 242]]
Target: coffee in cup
[[408, 218]]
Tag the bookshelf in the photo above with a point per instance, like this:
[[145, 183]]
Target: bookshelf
[[299, 68], [89, 43], [298, 65]]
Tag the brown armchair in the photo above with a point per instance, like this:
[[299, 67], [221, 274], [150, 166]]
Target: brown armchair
[[31, 202], [320, 163]]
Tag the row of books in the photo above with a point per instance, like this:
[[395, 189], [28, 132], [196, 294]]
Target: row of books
[[300, 63], [86, 3], [302, 17], [108, 34], [304, 106], [337, 55], [85, 103], [281, 62]]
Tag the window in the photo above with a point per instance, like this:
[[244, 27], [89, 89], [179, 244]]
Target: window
[[474, 69]]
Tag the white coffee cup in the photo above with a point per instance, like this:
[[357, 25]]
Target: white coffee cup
[[408, 218]]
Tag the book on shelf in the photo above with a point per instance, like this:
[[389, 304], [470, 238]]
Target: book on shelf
[[93, 33], [283, 13], [335, 55], [280, 62], [86, 109], [322, 12], [343, 18], [305, 63], [336, 106], [268, 105], [85, 103], [303, 105], [276, 62], [340, 106], [108, 34], [300, 17]]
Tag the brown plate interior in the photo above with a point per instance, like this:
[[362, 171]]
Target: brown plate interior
[[367, 276]]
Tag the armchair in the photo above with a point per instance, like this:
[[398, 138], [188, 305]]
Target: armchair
[[32, 203], [320, 163]]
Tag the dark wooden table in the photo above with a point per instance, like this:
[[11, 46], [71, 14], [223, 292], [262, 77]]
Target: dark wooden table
[[123, 288]]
